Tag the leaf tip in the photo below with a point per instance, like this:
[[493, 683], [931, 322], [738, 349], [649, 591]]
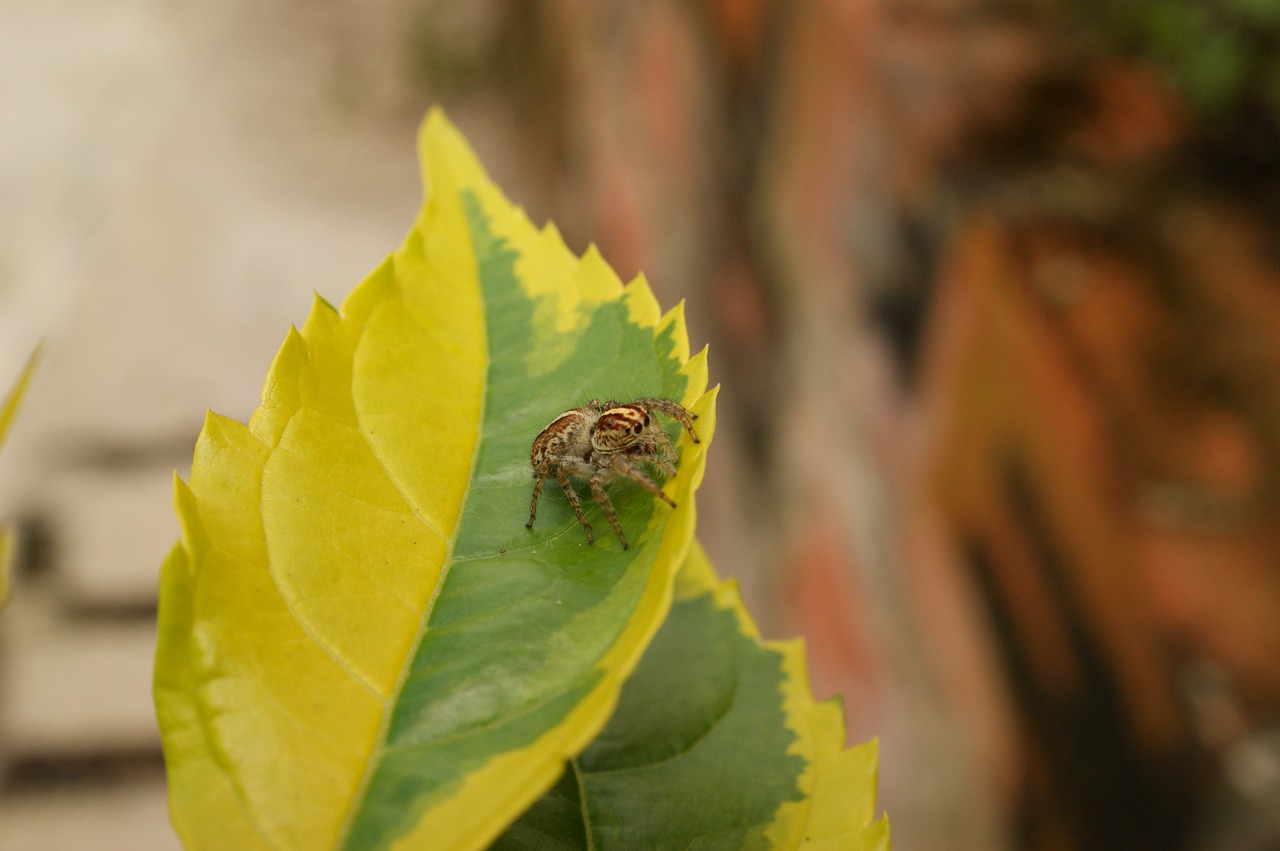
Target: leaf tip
[[445, 155], [323, 320], [435, 121], [6, 563], [695, 371], [875, 836], [319, 302], [642, 304], [594, 268], [183, 497], [703, 403], [551, 233], [675, 319], [9, 404], [433, 130], [215, 424]]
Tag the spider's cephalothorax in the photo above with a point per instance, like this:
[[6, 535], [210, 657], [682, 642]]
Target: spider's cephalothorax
[[600, 442]]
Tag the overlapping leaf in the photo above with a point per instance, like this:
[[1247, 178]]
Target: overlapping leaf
[[360, 642], [716, 743]]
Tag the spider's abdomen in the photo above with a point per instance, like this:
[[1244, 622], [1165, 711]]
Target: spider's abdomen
[[568, 435]]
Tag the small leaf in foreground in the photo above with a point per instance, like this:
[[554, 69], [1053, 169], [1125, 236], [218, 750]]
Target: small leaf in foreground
[[716, 743], [8, 410]]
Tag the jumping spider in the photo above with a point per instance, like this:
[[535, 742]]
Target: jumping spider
[[600, 442]]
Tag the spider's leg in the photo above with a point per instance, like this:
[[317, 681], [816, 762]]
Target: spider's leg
[[597, 489], [533, 506], [672, 409], [626, 468], [574, 503]]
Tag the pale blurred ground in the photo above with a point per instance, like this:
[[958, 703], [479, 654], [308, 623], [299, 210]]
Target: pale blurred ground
[[176, 181]]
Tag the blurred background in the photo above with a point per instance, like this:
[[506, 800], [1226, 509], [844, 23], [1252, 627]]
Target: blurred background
[[992, 288]]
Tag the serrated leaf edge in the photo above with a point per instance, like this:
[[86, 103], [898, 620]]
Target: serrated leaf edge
[[838, 783]]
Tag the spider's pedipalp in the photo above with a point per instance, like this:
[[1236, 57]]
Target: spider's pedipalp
[[626, 468], [662, 453]]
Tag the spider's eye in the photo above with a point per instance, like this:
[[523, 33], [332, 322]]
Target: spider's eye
[[635, 429]]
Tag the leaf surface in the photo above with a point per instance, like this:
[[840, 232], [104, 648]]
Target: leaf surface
[[717, 743], [361, 645]]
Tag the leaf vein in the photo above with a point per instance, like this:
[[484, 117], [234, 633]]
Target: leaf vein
[[680, 754]]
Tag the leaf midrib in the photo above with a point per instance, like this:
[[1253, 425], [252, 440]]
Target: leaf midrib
[[393, 701], [582, 804]]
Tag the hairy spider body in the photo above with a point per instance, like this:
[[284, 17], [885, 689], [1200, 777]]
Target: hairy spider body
[[601, 441]]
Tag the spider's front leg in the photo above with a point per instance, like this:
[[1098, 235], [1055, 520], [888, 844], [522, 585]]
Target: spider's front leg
[[674, 410], [621, 464]]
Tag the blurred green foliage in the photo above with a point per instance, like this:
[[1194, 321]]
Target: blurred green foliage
[[1223, 54]]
